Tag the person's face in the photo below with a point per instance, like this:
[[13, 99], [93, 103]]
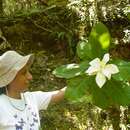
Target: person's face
[[22, 79]]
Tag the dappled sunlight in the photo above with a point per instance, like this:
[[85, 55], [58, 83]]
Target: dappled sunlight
[[104, 40], [71, 66], [104, 11]]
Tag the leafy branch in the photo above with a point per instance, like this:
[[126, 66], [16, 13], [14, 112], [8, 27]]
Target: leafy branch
[[115, 90]]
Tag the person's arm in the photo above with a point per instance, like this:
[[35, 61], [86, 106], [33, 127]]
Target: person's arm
[[58, 95]]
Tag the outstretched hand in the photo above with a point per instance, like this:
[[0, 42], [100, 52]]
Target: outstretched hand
[[58, 95]]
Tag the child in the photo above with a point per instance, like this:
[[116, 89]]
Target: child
[[19, 110]]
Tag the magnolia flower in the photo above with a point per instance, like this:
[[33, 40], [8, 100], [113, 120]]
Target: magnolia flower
[[102, 70]]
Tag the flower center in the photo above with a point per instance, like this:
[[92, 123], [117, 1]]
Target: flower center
[[102, 64]]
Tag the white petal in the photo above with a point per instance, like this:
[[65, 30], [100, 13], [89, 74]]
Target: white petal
[[95, 62], [100, 79], [92, 70], [112, 68], [106, 58], [107, 72]]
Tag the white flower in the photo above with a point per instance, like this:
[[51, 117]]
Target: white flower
[[102, 70]]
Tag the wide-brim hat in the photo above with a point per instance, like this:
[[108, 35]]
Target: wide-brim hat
[[11, 63]]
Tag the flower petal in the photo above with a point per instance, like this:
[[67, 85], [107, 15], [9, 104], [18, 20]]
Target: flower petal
[[95, 62], [100, 79], [92, 70], [106, 58], [107, 72], [112, 68]]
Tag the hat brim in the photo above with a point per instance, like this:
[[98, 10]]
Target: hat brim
[[11, 74]]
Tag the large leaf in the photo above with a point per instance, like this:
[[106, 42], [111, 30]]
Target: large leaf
[[84, 50], [77, 88], [112, 93], [71, 70], [119, 92], [99, 96], [99, 39], [124, 70]]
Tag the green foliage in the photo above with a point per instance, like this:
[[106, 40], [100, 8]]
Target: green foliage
[[97, 44], [116, 91], [128, 15], [70, 70], [99, 39], [78, 87], [111, 94], [84, 50], [124, 68]]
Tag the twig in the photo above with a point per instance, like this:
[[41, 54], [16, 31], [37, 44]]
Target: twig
[[37, 25]]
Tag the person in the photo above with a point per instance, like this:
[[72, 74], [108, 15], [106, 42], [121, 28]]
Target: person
[[19, 108]]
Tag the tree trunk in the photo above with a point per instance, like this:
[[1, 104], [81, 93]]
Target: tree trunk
[[114, 115], [1, 8]]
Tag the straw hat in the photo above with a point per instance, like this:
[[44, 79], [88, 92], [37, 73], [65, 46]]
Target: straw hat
[[10, 63]]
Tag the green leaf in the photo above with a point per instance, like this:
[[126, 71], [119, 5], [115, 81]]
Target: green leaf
[[124, 70], [97, 44], [112, 93], [84, 50], [99, 39], [71, 70], [77, 88], [119, 92], [99, 95]]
